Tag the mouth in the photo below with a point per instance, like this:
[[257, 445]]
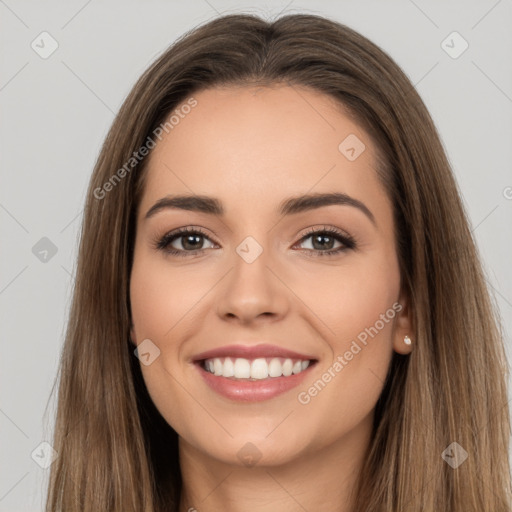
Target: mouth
[[253, 380], [239, 368]]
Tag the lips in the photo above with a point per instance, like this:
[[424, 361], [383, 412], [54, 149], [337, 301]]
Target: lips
[[239, 387], [252, 352]]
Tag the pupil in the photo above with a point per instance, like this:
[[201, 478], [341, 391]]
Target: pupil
[[188, 238], [319, 237]]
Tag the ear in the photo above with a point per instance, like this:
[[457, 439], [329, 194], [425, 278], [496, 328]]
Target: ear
[[403, 327]]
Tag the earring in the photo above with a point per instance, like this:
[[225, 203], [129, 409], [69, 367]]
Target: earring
[[407, 340]]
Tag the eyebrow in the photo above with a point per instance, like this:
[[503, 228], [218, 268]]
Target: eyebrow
[[290, 206]]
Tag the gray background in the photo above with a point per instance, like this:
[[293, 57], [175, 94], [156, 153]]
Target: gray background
[[55, 113]]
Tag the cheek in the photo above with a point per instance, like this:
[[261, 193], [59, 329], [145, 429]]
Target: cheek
[[351, 298], [160, 298], [162, 305], [360, 300], [359, 306], [148, 300]]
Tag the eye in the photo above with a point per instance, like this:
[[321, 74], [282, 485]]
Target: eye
[[190, 239], [323, 239]]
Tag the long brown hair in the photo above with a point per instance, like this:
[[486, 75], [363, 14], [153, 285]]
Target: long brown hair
[[117, 453]]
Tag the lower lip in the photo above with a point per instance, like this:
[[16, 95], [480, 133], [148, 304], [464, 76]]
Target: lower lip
[[253, 391]]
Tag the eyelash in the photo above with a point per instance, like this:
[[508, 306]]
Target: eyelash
[[347, 241]]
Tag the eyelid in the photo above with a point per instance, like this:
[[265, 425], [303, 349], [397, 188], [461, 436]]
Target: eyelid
[[325, 229], [342, 236], [348, 242], [178, 232]]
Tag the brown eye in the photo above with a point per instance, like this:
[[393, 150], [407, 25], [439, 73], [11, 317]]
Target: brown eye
[[183, 241], [323, 242]]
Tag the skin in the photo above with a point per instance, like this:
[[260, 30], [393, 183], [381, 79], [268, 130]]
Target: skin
[[252, 148]]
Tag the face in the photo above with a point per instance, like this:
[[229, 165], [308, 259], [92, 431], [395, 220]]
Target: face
[[315, 281]]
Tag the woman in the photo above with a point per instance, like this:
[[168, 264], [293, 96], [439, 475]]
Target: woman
[[213, 361]]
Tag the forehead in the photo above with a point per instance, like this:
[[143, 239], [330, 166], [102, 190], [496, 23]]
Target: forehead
[[260, 144]]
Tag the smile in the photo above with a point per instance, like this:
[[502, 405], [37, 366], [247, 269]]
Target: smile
[[256, 380], [255, 369]]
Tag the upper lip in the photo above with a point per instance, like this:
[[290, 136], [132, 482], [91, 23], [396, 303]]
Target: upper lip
[[251, 352]]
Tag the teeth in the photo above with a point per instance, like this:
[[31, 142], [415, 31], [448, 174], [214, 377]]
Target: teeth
[[228, 369], [275, 368], [242, 368], [218, 367], [255, 369], [259, 369], [287, 367], [297, 367]]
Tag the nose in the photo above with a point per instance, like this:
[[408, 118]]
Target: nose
[[253, 291]]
